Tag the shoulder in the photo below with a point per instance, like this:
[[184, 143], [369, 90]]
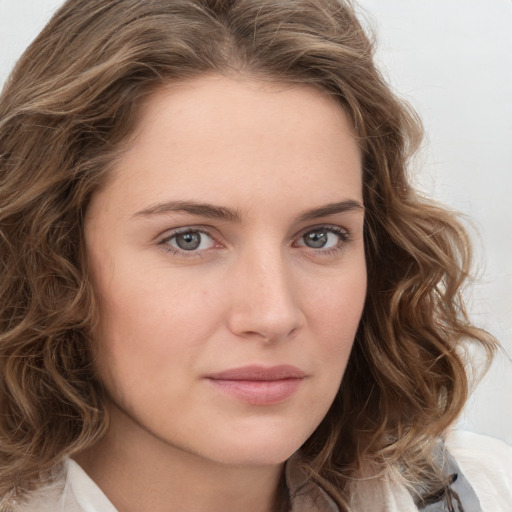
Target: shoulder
[[486, 463], [46, 499], [73, 491]]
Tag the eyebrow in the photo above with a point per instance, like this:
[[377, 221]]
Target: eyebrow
[[222, 213], [331, 209], [202, 209]]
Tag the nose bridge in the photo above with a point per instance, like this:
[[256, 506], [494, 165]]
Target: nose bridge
[[265, 302]]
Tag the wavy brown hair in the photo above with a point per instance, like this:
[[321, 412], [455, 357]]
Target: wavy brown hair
[[73, 99]]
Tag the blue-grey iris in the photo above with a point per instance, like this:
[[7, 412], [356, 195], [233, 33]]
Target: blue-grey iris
[[316, 239], [188, 241]]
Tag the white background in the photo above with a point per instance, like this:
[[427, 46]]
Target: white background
[[452, 59]]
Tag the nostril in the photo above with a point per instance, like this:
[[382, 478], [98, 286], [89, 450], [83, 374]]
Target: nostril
[[266, 326], [265, 305]]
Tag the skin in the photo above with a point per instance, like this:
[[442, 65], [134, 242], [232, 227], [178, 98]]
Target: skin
[[253, 292]]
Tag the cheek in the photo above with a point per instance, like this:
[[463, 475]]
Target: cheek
[[334, 316], [335, 311], [335, 306], [147, 324]]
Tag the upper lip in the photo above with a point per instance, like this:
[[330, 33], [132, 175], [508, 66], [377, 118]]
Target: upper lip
[[260, 373]]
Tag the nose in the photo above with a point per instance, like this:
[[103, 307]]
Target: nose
[[265, 301]]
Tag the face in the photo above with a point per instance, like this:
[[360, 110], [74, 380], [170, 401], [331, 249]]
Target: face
[[227, 256]]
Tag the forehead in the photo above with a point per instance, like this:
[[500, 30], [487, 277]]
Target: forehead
[[218, 136], [234, 97]]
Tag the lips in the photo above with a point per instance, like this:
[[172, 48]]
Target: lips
[[258, 385]]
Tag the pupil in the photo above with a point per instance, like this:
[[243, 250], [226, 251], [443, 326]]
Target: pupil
[[188, 241], [316, 239]]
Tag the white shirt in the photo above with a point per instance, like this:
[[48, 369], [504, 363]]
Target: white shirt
[[485, 462]]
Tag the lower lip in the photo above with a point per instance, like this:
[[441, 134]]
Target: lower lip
[[259, 392]]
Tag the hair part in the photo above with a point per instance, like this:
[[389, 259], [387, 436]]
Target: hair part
[[65, 112]]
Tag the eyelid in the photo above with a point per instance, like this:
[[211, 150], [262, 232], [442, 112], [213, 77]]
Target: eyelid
[[169, 234], [196, 228], [333, 228], [343, 233]]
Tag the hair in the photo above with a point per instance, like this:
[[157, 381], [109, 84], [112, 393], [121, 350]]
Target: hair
[[68, 106]]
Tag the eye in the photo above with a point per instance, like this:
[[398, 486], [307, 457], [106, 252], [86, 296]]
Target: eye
[[323, 238], [189, 240]]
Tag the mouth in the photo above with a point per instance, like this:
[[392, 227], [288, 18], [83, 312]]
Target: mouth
[[258, 385]]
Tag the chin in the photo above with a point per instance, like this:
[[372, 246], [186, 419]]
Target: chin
[[267, 447], [260, 456]]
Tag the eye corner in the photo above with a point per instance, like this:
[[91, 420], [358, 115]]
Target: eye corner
[[194, 241], [321, 238]]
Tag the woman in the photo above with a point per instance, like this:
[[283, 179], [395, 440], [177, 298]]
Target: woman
[[219, 290]]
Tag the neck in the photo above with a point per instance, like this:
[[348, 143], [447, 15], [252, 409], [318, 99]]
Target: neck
[[139, 472]]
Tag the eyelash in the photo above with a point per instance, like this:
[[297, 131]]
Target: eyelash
[[163, 243], [341, 233]]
